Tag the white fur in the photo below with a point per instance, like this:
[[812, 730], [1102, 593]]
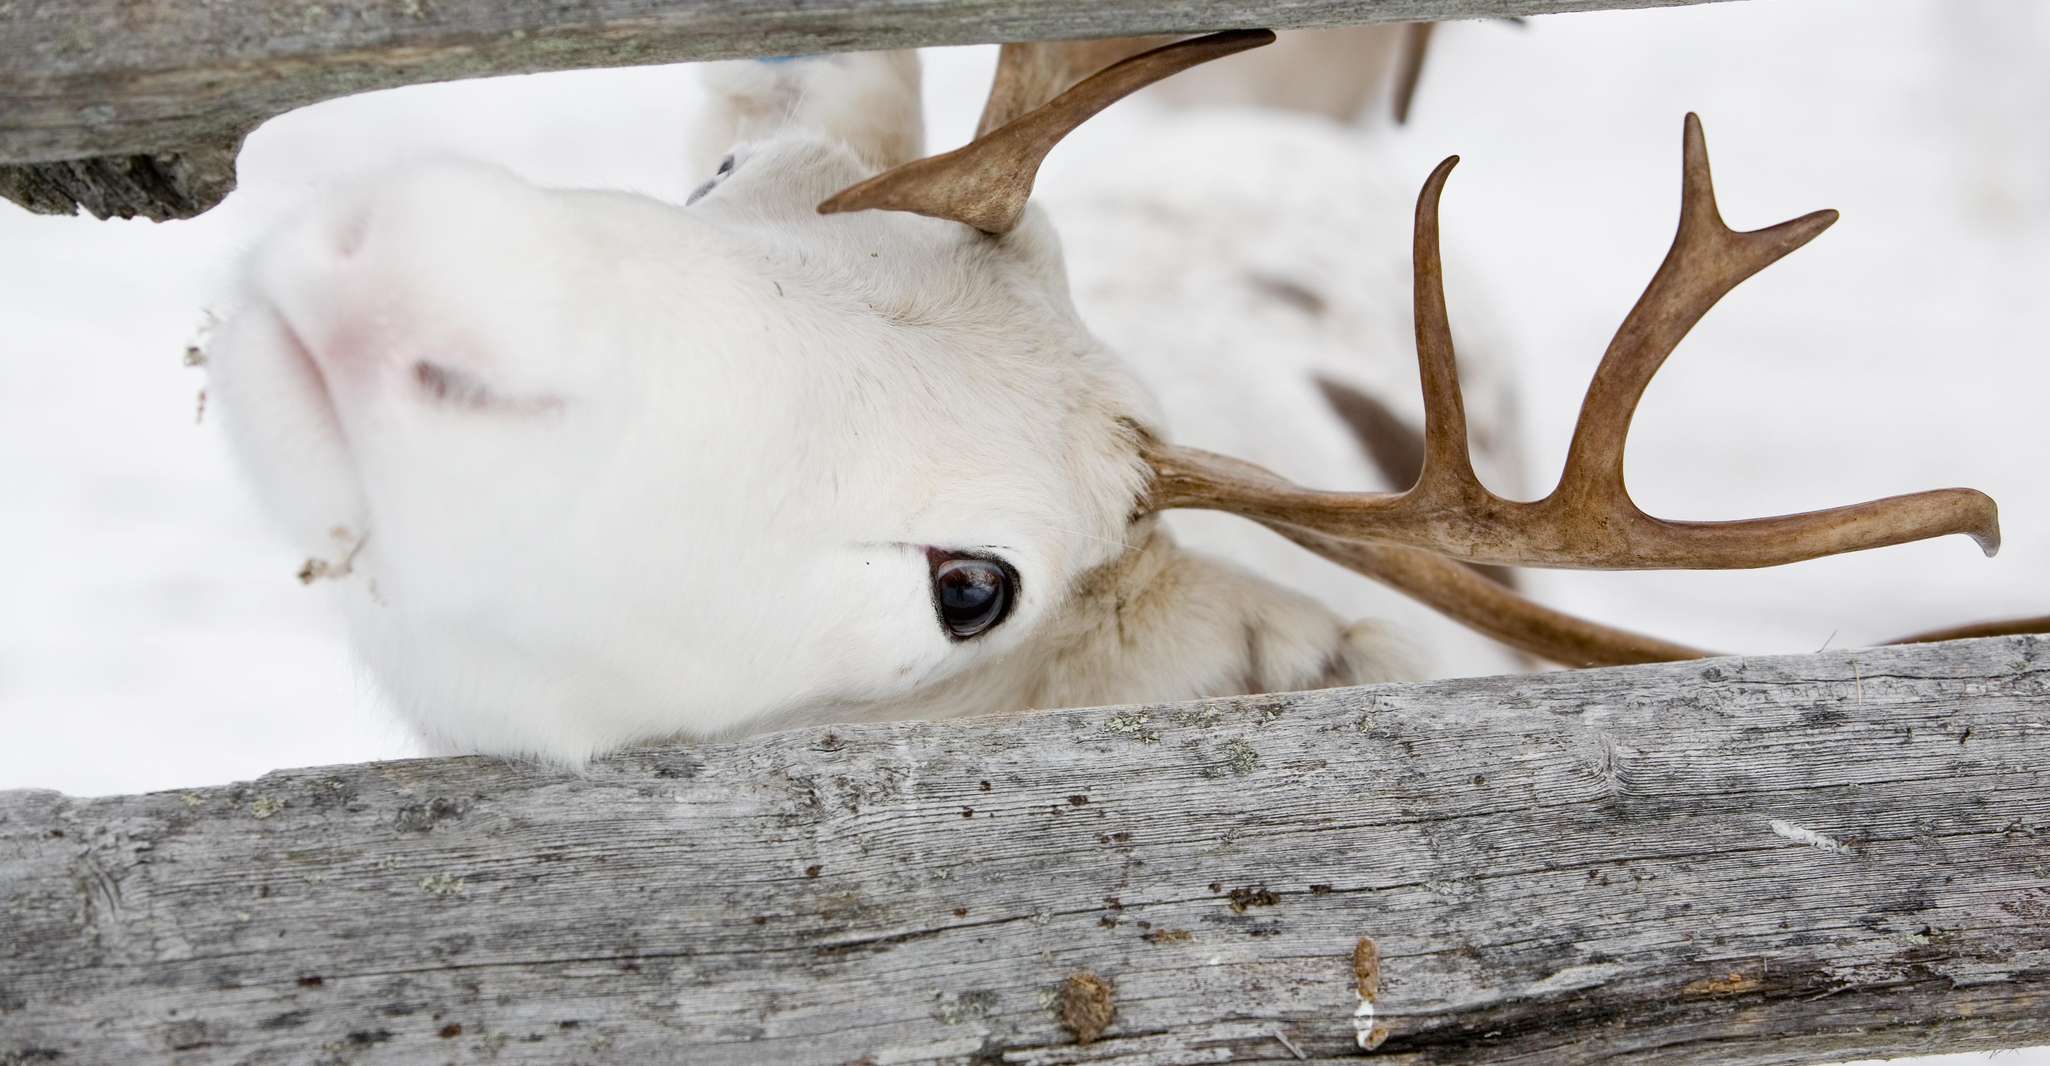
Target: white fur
[[622, 469]]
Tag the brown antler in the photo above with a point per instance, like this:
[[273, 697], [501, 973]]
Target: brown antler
[[1031, 73], [1489, 607], [1588, 521], [986, 183], [1409, 69], [2005, 627], [1408, 540]]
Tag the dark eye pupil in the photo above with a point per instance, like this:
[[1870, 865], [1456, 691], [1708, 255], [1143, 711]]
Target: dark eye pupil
[[725, 165], [972, 594]]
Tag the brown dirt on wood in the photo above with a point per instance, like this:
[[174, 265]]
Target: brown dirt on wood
[[1366, 968], [1086, 1006], [1256, 896]]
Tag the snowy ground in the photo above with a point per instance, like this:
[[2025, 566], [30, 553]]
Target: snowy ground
[[152, 635]]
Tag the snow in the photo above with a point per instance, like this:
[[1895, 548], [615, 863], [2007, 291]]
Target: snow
[[153, 635]]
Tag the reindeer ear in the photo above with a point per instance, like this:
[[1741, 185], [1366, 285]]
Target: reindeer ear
[[986, 183]]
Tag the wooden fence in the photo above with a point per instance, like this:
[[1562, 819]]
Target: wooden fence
[[137, 107], [1733, 861]]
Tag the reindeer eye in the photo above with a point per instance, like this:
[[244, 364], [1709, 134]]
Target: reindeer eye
[[972, 593]]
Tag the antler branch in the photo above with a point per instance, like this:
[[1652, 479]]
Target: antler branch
[[1030, 73], [1409, 540], [987, 182], [2006, 627], [1588, 521], [1488, 607]]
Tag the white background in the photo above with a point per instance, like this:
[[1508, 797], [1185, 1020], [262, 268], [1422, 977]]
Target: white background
[[152, 636]]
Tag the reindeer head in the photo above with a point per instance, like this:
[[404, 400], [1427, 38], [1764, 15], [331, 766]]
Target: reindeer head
[[611, 469]]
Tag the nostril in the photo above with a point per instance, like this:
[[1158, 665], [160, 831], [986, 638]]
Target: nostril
[[353, 231]]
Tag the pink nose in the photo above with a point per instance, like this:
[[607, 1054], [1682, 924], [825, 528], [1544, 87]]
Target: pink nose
[[359, 277]]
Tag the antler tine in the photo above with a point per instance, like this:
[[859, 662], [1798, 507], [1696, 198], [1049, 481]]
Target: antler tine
[[1707, 260], [1448, 463], [1588, 522], [1192, 478], [986, 183], [1030, 73]]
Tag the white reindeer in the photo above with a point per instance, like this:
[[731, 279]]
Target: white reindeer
[[610, 469]]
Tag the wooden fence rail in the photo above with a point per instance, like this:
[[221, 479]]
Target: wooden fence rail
[[127, 107], [1745, 860]]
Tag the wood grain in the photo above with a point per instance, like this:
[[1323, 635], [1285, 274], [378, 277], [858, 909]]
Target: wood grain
[[1739, 861], [94, 93]]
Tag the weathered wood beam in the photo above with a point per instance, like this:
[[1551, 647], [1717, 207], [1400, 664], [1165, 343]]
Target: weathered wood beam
[[130, 107], [1734, 861]]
